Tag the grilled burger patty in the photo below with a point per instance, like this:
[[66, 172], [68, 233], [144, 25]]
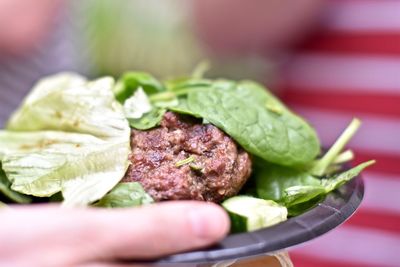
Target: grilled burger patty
[[184, 159]]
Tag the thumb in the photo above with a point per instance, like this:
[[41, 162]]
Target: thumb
[[161, 229], [46, 235]]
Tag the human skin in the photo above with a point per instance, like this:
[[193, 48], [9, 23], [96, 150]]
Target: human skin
[[47, 235]]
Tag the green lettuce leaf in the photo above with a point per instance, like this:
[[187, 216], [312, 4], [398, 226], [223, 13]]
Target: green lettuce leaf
[[69, 136], [6, 191], [125, 195]]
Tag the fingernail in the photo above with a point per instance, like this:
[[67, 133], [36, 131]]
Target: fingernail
[[209, 222]]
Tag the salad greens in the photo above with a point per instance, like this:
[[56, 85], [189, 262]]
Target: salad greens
[[68, 136], [291, 187], [320, 166], [140, 113], [132, 81], [70, 141], [137, 105], [5, 189], [297, 187], [242, 111], [125, 195], [246, 111], [284, 144]]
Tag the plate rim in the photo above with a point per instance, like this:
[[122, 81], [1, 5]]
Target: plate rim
[[306, 229]]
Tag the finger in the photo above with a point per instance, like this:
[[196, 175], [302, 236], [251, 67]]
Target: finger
[[162, 229], [50, 235]]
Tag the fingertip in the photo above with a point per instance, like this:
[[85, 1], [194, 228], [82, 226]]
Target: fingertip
[[209, 222]]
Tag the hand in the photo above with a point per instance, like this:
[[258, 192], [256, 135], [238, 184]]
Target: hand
[[46, 235]]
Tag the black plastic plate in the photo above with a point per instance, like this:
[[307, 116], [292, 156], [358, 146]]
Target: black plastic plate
[[337, 207]]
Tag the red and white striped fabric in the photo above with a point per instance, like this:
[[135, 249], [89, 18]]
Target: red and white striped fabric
[[352, 69]]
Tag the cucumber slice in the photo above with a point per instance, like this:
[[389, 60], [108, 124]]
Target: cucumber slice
[[250, 213]]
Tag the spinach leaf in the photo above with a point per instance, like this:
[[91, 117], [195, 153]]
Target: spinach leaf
[[335, 181], [333, 155], [295, 188], [302, 193], [183, 108], [201, 69], [246, 111], [186, 83], [271, 181], [131, 81], [260, 123], [300, 208], [6, 191], [125, 195], [147, 120]]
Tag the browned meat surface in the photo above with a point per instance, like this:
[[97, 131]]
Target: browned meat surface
[[218, 169]]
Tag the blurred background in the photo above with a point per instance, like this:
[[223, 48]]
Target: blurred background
[[330, 60]]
